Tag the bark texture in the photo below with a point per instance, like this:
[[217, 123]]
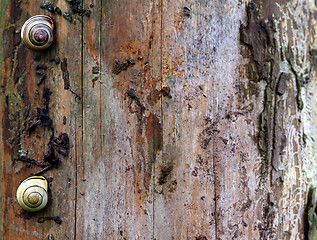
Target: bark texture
[[186, 119]]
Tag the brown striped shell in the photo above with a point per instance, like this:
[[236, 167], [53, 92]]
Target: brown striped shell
[[37, 32]]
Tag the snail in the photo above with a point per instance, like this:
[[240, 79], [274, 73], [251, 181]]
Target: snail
[[32, 193], [37, 32]]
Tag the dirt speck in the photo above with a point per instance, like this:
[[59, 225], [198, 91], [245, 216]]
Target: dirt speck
[[25, 215], [120, 66], [68, 17], [166, 91], [65, 74], [132, 94], [95, 70], [201, 237], [186, 11], [77, 8], [61, 144], [49, 6], [57, 60], [56, 219], [165, 173]]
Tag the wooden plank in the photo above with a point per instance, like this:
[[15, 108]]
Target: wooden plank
[[21, 95], [89, 191], [120, 174], [15, 70], [211, 132], [185, 199], [66, 105], [134, 136], [268, 40], [3, 5]]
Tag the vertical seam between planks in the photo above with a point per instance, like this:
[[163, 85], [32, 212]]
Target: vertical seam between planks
[[76, 157], [161, 67], [214, 168], [215, 187], [215, 175], [161, 76], [100, 88], [161, 108], [153, 166], [82, 120]]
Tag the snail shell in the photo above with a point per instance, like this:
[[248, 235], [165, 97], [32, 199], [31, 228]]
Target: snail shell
[[37, 32], [32, 193]]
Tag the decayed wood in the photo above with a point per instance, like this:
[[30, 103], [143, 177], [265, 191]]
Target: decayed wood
[[186, 119], [119, 173], [90, 191], [15, 98], [272, 36], [66, 111], [185, 200], [20, 95]]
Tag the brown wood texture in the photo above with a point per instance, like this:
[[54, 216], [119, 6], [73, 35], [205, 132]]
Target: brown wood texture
[[186, 119], [20, 95]]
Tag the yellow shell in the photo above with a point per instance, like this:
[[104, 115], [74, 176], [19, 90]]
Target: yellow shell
[[32, 193], [37, 32]]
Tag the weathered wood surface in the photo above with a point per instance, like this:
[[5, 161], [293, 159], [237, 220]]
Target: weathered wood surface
[[20, 95], [187, 119]]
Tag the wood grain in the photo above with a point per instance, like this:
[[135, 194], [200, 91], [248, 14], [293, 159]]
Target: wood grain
[[20, 96], [89, 224], [120, 171], [187, 119]]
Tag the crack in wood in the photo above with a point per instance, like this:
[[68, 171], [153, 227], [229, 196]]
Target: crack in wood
[[65, 75]]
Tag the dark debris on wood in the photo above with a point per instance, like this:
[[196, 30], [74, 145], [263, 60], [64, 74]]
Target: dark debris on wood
[[49, 6], [60, 144], [56, 219], [41, 116], [120, 66]]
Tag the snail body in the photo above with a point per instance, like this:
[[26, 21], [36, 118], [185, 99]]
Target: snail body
[[32, 193], [37, 32]]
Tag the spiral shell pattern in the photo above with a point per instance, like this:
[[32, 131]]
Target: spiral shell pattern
[[37, 32], [32, 193]]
